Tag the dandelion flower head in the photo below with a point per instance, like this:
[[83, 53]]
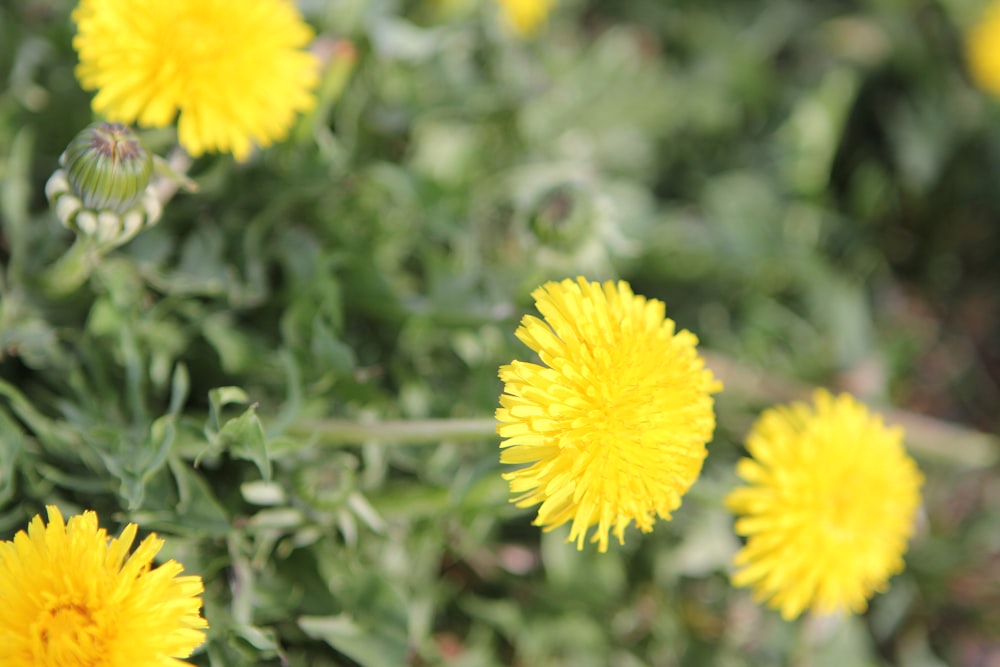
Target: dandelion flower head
[[526, 16], [72, 597], [829, 507], [982, 48], [233, 74], [612, 425]]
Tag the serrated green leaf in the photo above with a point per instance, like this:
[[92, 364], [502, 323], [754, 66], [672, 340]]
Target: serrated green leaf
[[369, 645], [244, 437], [198, 509], [219, 398]]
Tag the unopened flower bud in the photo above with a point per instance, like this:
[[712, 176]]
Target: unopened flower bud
[[107, 167], [103, 191], [562, 216]]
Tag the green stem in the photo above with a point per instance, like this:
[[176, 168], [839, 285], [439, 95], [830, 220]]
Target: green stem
[[172, 175], [341, 432], [800, 651], [927, 438], [73, 268], [816, 636]]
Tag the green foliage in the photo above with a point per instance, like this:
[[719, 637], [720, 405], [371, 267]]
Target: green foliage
[[808, 186]]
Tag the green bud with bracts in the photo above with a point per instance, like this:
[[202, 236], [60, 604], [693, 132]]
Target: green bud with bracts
[[107, 167], [103, 189]]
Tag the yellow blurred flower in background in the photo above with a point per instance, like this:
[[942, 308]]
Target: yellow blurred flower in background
[[234, 75], [830, 504], [982, 48], [613, 424], [526, 16], [72, 597]]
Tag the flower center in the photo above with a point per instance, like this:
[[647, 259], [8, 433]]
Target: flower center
[[69, 636], [841, 516], [205, 47], [201, 39]]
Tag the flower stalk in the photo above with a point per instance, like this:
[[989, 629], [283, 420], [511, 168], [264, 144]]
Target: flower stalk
[[346, 432], [73, 268], [108, 189], [964, 448]]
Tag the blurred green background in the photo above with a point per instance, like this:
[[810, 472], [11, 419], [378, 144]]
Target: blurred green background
[[811, 187]]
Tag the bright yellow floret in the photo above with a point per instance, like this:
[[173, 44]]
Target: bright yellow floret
[[72, 597], [612, 427], [526, 16], [982, 47], [830, 504], [233, 74]]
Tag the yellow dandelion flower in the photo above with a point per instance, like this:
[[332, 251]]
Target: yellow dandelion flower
[[982, 48], [232, 74], [72, 597], [526, 16], [614, 424], [829, 508]]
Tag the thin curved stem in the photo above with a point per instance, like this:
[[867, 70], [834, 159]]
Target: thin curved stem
[[73, 269], [342, 432], [927, 438]]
